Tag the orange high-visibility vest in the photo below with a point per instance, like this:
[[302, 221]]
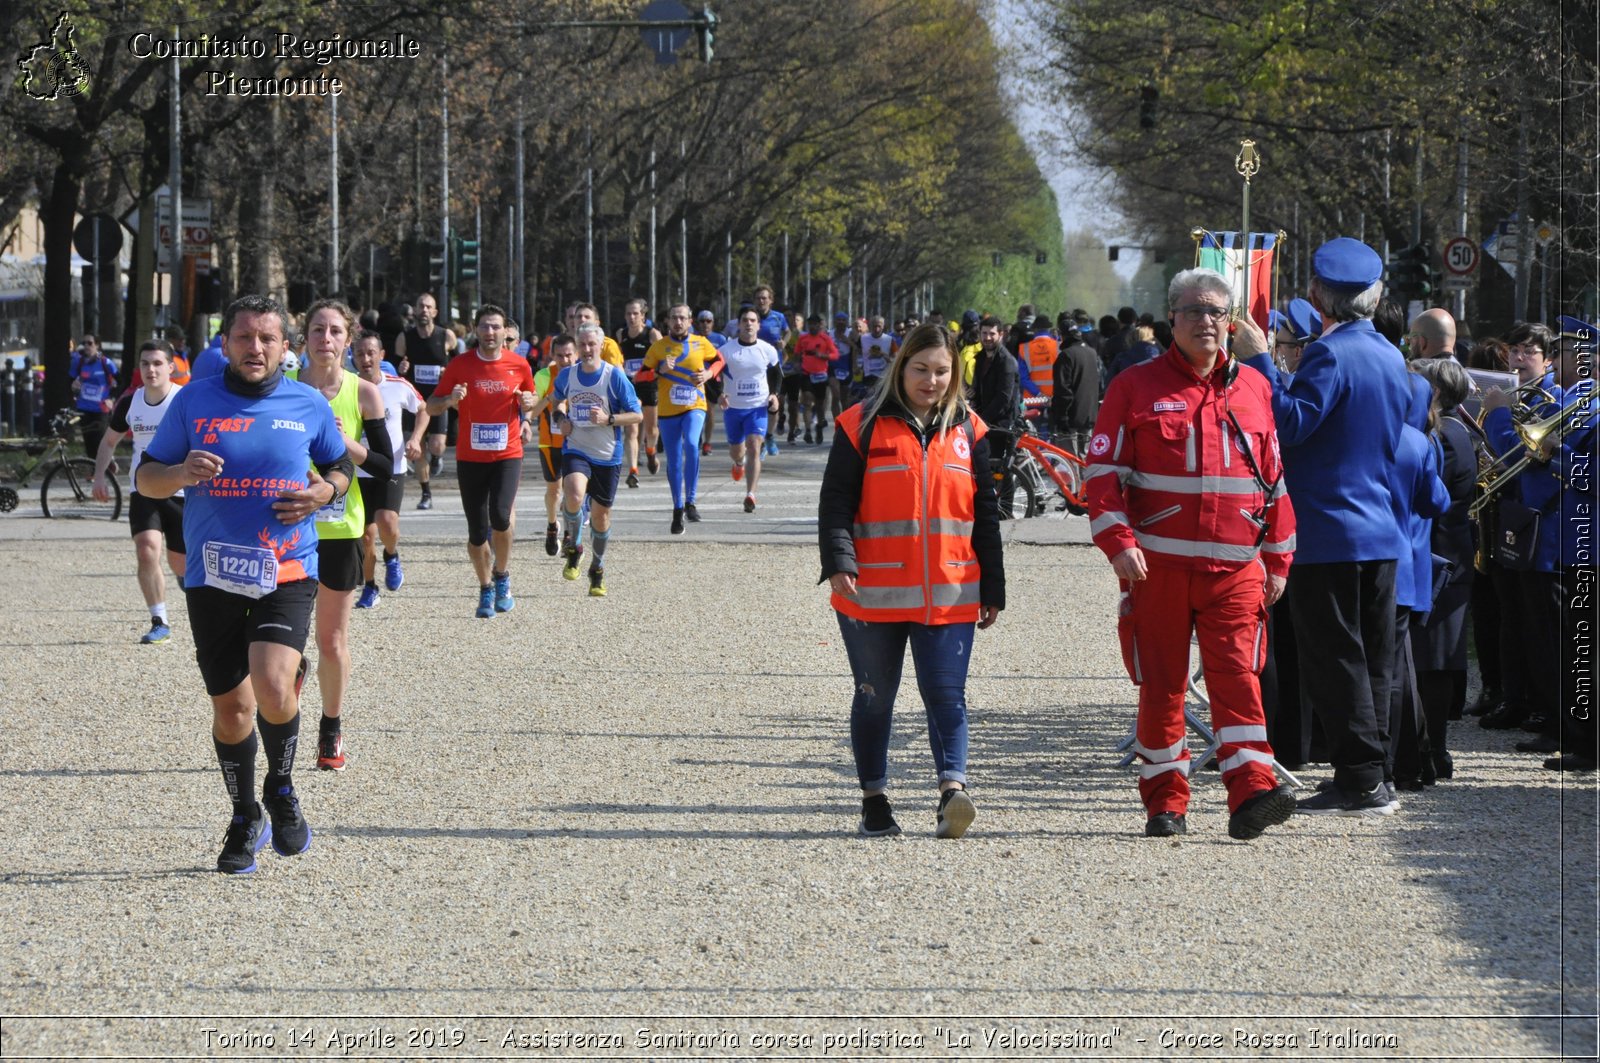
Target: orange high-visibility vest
[[1039, 354], [913, 527]]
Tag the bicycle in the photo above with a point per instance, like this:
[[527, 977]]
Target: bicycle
[[1047, 476], [67, 489]]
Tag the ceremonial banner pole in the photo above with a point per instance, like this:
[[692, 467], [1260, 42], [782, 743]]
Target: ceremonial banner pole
[[1247, 164]]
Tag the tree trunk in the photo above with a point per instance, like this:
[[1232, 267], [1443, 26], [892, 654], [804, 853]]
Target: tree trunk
[[60, 208]]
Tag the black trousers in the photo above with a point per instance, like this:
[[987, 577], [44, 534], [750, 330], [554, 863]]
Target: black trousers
[[1540, 637], [1344, 624], [1408, 741], [1288, 714], [1486, 629], [1001, 444]]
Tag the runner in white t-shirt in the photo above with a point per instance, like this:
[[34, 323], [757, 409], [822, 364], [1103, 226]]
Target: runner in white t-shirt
[[151, 519], [382, 498], [752, 368]]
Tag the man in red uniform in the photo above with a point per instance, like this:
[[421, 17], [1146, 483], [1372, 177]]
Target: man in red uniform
[[1186, 499]]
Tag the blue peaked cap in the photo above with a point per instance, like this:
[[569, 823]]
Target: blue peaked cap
[[1304, 320], [1346, 263]]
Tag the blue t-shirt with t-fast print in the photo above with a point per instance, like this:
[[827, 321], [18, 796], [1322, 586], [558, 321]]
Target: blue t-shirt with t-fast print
[[590, 398], [267, 444]]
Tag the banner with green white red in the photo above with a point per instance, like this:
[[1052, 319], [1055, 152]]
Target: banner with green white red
[[1225, 252]]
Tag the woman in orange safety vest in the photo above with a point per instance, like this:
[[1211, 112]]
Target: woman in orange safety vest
[[910, 539]]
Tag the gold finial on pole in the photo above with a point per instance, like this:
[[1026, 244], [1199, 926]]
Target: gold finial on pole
[[1248, 164]]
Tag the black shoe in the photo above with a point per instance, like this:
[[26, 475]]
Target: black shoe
[[808, 436], [1260, 811], [633, 479], [1411, 784], [1504, 717], [1487, 702], [244, 840], [652, 462], [426, 501], [691, 514], [749, 503], [1166, 825], [956, 812], [551, 547], [1333, 801], [1444, 766], [877, 818], [791, 437], [1542, 744], [291, 835], [1535, 723], [1570, 762], [677, 522], [435, 464]]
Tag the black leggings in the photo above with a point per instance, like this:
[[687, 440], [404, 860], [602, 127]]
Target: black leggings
[[488, 493]]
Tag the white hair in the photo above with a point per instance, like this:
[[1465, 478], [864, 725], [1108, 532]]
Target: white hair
[[1343, 305], [1198, 279], [590, 326]]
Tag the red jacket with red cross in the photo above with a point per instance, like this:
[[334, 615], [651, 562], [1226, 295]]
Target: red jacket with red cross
[[1170, 472]]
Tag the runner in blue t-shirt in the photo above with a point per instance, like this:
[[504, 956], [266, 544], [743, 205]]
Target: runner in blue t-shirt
[[594, 401], [256, 455]]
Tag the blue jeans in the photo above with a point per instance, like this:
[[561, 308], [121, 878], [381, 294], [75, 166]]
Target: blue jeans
[[877, 654], [680, 438]]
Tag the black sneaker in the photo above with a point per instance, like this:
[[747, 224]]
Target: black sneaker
[[1487, 702], [291, 835], [551, 547], [652, 462], [1541, 744], [1570, 762], [1166, 825], [956, 812], [426, 501], [1504, 717], [808, 436], [749, 503], [677, 522], [877, 818], [435, 464], [1334, 801], [633, 478], [1267, 808], [691, 514], [244, 840]]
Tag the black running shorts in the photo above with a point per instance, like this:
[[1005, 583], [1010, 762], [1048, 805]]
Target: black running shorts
[[380, 494], [225, 625], [164, 515], [339, 564], [550, 464]]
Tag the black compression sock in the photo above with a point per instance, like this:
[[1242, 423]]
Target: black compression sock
[[238, 762], [278, 741], [387, 556], [329, 725]]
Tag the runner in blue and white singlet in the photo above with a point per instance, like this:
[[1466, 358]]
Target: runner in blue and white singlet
[[748, 400]]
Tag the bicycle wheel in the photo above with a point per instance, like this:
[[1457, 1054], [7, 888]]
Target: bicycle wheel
[[1072, 473], [1028, 478], [68, 491]]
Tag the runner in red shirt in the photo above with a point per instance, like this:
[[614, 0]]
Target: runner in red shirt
[[817, 354], [490, 389]]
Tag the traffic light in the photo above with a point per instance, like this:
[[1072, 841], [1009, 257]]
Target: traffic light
[[1410, 275], [707, 31], [466, 259], [436, 263]]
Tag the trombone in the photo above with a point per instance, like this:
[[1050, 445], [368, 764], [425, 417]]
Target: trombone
[[1538, 437]]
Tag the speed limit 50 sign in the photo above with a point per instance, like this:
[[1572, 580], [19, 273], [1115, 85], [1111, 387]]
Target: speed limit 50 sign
[[1461, 257]]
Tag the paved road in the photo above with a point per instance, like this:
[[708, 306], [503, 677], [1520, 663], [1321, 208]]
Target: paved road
[[592, 817]]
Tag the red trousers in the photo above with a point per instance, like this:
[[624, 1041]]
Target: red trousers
[[1227, 611]]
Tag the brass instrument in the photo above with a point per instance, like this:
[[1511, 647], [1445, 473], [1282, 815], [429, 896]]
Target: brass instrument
[[1486, 461], [1536, 435]]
